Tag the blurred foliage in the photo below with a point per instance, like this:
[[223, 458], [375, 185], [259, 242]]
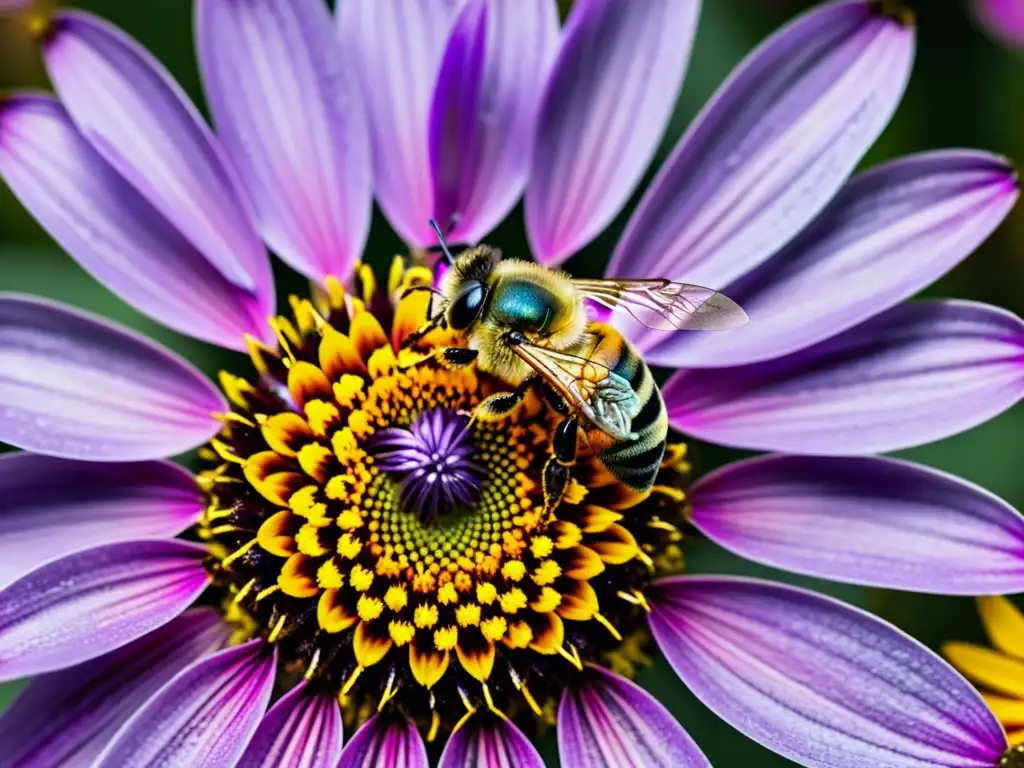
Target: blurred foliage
[[966, 91]]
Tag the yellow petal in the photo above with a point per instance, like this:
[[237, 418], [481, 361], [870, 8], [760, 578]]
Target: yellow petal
[[298, 577], [478, 662], [275, 535], [987, 667], [581, 605], [368, 648], [584, 564], [1008, 711], [427, 666], [615, 545], [338, 355], [1004, 624], [331, 614], [286, 433], [367, 334], [307, 382]]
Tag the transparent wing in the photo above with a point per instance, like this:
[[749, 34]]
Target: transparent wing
[[601, 395], [665, 305]]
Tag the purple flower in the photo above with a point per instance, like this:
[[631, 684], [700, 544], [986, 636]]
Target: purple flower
[[1003, 18], [297, 538]]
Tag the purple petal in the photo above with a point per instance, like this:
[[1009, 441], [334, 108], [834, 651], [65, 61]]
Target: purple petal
[[302, 730], [53, 507], [113, 232], [818, 681], [385, 739], [484, 110], [68, 717], [771, 148], [609, 98], [605, 720], [94, 601], [76, 386], [394, 50], [917, 373], [131, 110], [868, 521], [888, 234], [205, 716], [1004, 18], [487, 741], [292, 126]]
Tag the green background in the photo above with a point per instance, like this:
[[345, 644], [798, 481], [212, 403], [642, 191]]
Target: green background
[[967, 90]]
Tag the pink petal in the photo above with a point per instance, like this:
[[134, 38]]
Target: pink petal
[[487, 741], [394, 50], [889, 233], [292, 125], [204, 717], [771, 148], [912, 375], [385, 739], [484, 111], [68, 717], [53, 507], [94, 601], [75, 386], [302, 730], [605, 720], [869, 521], [824, 684], [135, 115], [607, 103], [114, 232]]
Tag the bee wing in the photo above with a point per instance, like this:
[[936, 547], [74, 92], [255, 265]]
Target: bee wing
[[600, 394], [665, 305]]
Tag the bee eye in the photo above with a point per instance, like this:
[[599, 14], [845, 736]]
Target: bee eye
[[466, 306]]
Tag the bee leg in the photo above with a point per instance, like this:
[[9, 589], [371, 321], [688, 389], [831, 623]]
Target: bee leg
[[456, 357], [563, 456], [499, 405]]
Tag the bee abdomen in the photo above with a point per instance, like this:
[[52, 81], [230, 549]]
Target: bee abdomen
[[635, 462]]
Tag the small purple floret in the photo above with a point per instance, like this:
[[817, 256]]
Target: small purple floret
[[433, 462]]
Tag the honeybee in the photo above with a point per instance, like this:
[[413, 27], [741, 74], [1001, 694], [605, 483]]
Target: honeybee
[[528, 325]]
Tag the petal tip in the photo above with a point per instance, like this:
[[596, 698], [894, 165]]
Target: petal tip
[[895, 10]]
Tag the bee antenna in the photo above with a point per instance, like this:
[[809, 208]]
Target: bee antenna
[[449, 259]]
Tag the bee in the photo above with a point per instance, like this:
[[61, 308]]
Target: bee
[[528, 325]]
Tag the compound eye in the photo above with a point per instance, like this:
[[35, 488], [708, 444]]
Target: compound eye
[[466, 306]]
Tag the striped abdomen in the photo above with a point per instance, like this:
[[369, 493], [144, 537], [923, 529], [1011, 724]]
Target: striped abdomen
[[634, 463]]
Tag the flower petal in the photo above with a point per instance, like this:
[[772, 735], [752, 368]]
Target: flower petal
[[917, 373], [605, 108], [113, 231], [204, 716], [135, 115], [76, 386], [605, 720], [91, 602], [53, 507], [888, 234], [394, 49], [488, 741], [484, 110], [1003, 18], [772, 147], [868, 521], [68, 717], [302, 730], [385, 739], [292, 126], [818, 681]]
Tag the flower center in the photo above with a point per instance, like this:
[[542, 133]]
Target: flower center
[[1014, 758], [394, 550], [432, 461]]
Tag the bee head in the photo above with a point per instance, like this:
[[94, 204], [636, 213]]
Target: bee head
[[465, 306]]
